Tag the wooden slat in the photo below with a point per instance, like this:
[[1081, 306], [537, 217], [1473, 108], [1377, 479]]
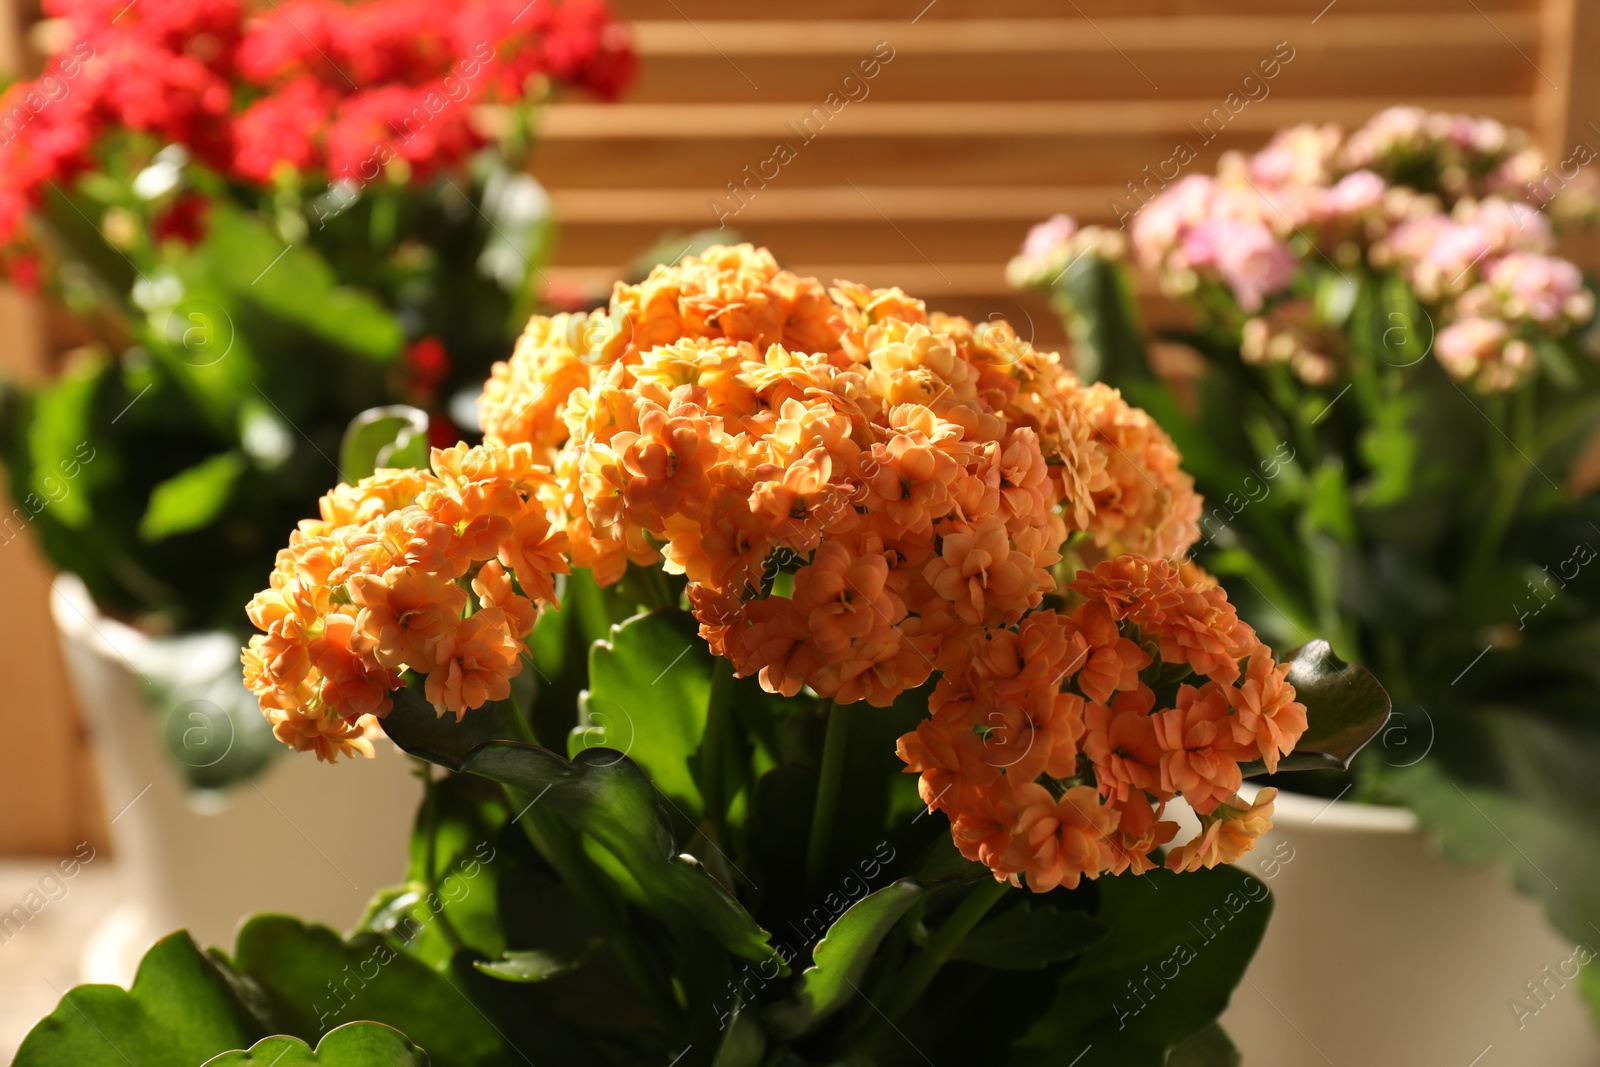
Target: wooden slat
[[1483, 68], [1098, 10], [956, 120], [1071, 37]]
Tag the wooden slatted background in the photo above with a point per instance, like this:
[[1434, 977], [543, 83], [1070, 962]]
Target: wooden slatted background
[[991, 115]]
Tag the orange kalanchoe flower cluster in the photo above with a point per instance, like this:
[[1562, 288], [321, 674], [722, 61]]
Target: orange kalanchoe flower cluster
[[407, 573], [905, 482], [1056, 748], [858, 494]]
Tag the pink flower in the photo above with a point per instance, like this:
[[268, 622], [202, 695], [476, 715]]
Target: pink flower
[[1048, 235], [1252, 262]]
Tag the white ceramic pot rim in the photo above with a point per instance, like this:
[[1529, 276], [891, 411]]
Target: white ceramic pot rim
[[1299, 810], [80, 620]]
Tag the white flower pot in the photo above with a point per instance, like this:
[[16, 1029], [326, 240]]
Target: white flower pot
[[304, 838], [1381, 953]]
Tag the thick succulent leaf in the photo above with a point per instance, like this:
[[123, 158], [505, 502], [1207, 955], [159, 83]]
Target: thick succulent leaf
[[1211, 1047], [316, 980], [743, 1042], [537, 965], [605, 796], [415, 726], [393, 436], [362, 1044], [182, 1010], [1345, 708], [649, 686], [1025, 937], [458, 860], [841, 958], [1178, 944]]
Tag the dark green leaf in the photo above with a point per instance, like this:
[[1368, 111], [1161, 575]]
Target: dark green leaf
[[743, 1042], [1103, 320], [536, 965], [1178, 944], [841, 958], [182, 1010], [393, 436], [1025, 937], [1345, 708], [605, 796], [361, 1044], [317, 980], [648, 691], [1211, 1047]]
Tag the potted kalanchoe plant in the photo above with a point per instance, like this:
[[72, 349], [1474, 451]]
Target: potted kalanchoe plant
[[818, 703], [263, 222], [1394, 424]]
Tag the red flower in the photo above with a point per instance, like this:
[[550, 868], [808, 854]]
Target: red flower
[[285, 128], [183, 220], [428, 364]]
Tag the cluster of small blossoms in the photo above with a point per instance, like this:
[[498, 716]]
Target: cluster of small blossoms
[[1055, 748], [314, 89], [408, 574], [856, 490], [1460, 207], [859, 494]]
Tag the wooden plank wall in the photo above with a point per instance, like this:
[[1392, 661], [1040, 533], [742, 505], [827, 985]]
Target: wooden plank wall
[[990, 115]]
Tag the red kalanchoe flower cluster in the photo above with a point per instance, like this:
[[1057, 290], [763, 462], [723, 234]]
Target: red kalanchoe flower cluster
[[316, 87]]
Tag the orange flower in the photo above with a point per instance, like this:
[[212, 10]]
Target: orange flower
[[1199, 757], [1121, 740], [474, 664], [1057, 842], [1268, 717], [1229, 833], [1140, 832], [350, 687], [404, 614]]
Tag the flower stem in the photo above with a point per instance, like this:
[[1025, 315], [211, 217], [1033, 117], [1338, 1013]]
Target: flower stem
[[714, 749], [835, 744], [940, 946]]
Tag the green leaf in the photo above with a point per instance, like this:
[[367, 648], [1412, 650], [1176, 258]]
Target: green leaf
[[1025, 937], [292, 282], [649, 687], [193, 498], [393, 436], [1103, 320], [317, 980], [458, 860], [1178, 944], [1210, 1047], [743, 1043], [182, 1010], [59, 428], [842, 957], [605, 796], [536, 965], [351, 1045], [1345, 708]]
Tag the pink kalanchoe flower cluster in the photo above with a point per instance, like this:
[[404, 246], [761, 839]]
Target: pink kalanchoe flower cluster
[[1460, 207]]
